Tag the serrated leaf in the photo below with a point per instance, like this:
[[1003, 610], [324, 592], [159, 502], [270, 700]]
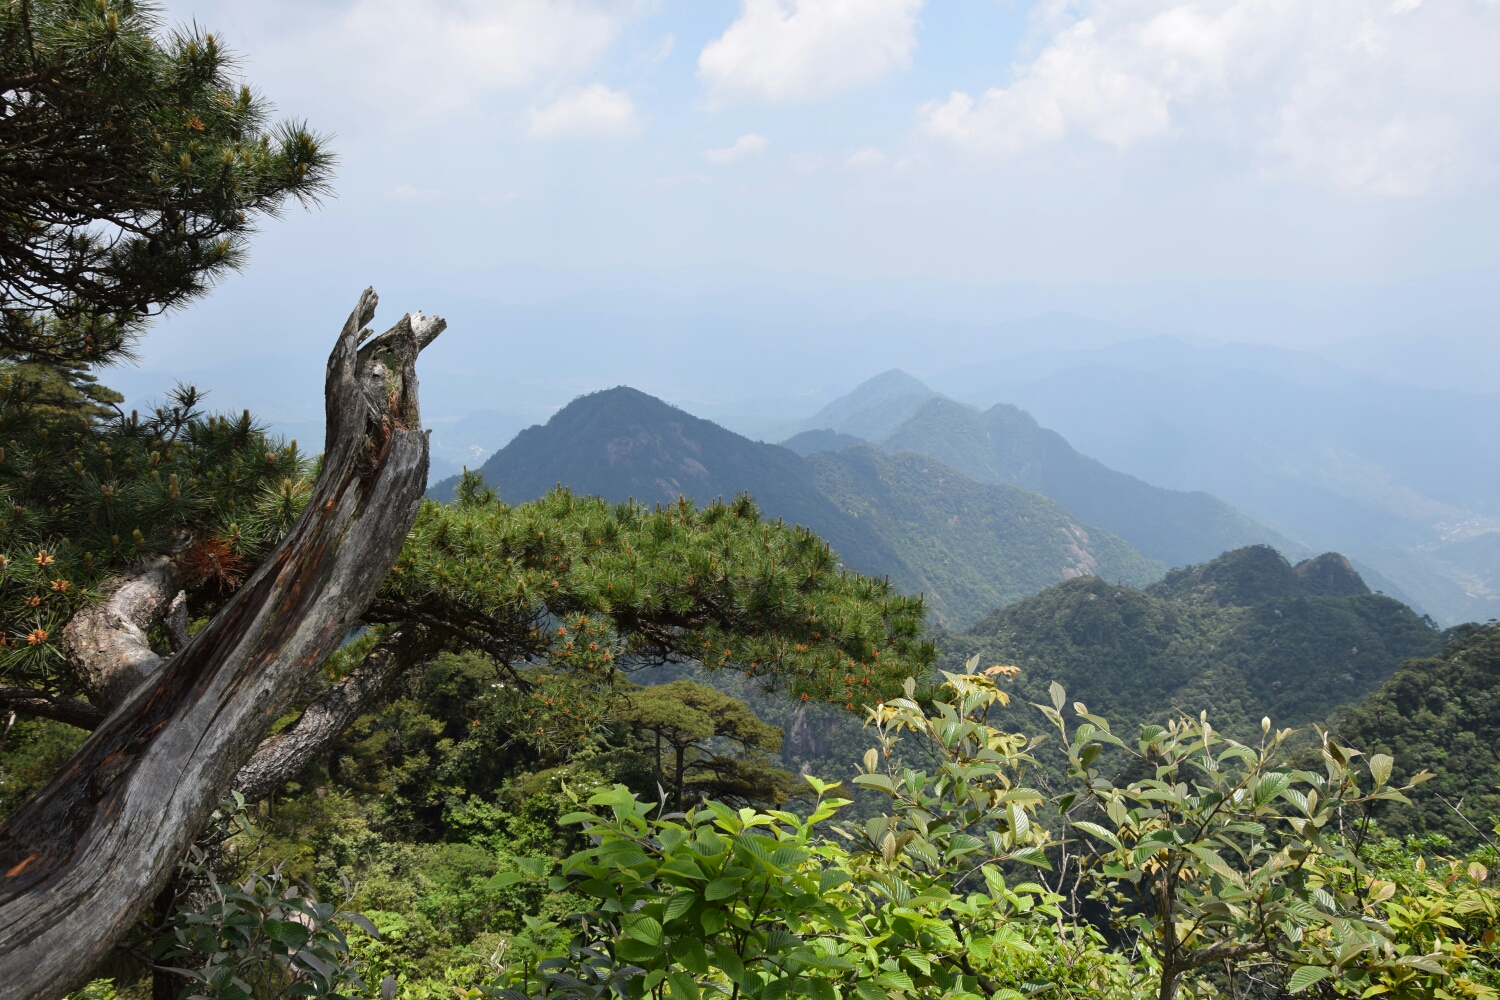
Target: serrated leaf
[[679, 904], [721, 888]]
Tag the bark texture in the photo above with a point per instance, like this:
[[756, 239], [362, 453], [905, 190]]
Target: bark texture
[[106, 644], [89, 851], [283, 756]]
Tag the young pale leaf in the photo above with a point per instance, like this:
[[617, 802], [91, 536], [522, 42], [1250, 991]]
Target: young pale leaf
[[1094, 829]]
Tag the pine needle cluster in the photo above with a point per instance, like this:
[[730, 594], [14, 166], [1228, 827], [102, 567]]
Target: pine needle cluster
[[86, 492], [132, 167], [718, 585]]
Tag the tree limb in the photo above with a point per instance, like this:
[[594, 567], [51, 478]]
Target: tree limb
[[281, 757], [106, 642], [73, 711], [88, 852]]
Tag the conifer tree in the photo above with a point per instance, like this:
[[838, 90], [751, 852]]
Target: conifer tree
[[132, 169]]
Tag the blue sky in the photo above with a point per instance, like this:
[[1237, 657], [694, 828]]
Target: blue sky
[[731, 201], [979, 141]]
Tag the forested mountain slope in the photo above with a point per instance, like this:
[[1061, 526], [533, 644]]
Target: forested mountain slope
[[1005, 444], [969, 546], [1442, 714], [1244, 636]]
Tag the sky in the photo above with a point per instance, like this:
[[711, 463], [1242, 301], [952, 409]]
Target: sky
[[1296, 172], [974, 141]]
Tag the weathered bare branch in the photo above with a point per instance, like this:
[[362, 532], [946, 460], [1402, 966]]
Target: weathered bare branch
[[92, 848], [281, 757], [106, 643]]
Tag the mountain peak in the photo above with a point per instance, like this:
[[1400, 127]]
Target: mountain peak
[[1330, 575], [1258, 573], [874, 408], [894, 382]]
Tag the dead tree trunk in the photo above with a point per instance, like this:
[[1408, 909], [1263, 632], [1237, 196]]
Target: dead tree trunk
[[95, 846], [280, 757]]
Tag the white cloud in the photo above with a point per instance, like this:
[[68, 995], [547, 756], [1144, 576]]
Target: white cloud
[[788, 50], [410, 192], [748, 144], [593, 111], [1372, 96], [863, 159], [442, 56]]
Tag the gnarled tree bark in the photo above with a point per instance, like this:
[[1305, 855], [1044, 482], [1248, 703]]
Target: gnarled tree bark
[[106, 644], [281, 757], [95, 846]]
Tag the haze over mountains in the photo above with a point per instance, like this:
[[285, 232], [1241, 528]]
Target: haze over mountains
[[1372, 439], [1005, 445], [1401, 480]]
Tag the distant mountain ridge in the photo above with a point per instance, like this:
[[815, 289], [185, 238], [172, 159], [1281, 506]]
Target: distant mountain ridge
[[1005, 444], [969, 546], [1243, 636], [1398, 477]]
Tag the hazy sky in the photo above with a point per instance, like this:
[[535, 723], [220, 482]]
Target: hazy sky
[[979, 141]]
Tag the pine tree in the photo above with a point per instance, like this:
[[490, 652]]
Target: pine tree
[[132, 169]]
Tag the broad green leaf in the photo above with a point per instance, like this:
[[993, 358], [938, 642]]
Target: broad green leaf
[[725, 958], [688, 952], [680, 986], [832, 878], [1380, 768], [721, 888], [1094, 829], [879, 781], [679, 904], [1271, 785], [288, 932], [1306, 976], [643, 928], [504, 879]]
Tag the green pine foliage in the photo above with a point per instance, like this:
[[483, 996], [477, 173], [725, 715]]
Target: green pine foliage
[[716, 584], [85, 493], [135, 168]]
